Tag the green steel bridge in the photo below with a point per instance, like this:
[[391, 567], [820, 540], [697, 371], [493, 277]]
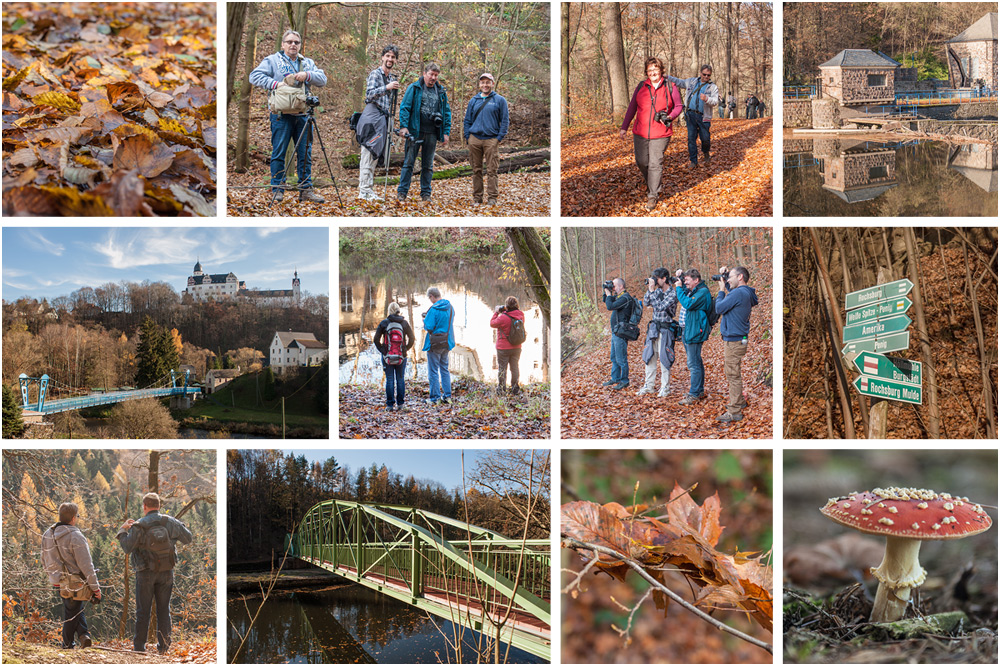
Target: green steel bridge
[[469, 575]]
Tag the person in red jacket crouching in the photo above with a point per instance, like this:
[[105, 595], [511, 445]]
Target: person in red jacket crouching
[[655, 104], [509, 322]]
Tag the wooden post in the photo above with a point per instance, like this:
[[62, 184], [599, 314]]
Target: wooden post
[[878, 413]]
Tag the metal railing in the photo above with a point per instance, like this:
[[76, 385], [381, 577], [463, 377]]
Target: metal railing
[[798, 92], [111, 397], [941, 97]]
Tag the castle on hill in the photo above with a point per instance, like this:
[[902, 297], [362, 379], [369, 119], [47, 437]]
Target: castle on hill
[[202, 286]]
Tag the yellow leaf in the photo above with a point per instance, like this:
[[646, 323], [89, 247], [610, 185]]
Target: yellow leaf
[[172, 125], [58, 100], [131, 129], [12, 82]]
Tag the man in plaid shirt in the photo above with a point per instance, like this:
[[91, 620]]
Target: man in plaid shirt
[[380, 90], [659, 347]]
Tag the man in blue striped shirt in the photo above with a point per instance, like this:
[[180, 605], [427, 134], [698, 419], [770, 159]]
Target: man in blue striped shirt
[[703, 97]]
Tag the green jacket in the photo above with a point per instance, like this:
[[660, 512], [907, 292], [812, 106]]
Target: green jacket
[[409, 110], [696, 302]]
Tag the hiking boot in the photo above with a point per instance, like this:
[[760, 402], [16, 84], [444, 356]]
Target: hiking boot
[[729, 418], [401, 198], [691, 399], [644, 390], [663, 392], [445, 401], [477, 201], [692, 166], [428, 401], [707, 159], [85, 641], [278, 195], [610, 382], [389, 408], [491, 202], [425, 198], [651, 205], [311, 196], [619, 386]]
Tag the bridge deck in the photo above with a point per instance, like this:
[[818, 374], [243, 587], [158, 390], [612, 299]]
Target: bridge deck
[[111, 397]]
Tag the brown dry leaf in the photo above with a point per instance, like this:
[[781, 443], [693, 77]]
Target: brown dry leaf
[[126, 192], [136, 152], [703, 520]]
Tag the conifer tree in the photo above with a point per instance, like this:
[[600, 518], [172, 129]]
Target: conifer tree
[[13, 424]]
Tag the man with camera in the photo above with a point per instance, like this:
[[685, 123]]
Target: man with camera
[[696, 299], [439, 340], [733, 304], [660, 332], [703, 97], [66, 559], [284, 75], [372, 134], [424, 119], [485, 126], [619, 302]]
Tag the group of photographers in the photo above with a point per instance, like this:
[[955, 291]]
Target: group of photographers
[[683, 308], [424, 121]]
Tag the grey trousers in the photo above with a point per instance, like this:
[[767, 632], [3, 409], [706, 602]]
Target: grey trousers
[[649, 159]]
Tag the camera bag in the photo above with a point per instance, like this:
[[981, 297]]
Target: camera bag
[[71, 585], [629, 330], [439, 341], [517, 335], [286, 99]]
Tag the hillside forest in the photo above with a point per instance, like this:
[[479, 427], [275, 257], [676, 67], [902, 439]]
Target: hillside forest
[[509, 40], [953, 331], [592, 255], [913, 33], [107, 485], [268, 493]]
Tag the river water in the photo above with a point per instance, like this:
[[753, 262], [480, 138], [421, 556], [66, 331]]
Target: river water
[[850, 177], [347, 625], [474, 287]]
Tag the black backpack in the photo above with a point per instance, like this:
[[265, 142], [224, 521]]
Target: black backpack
[[629, 330], [517, 335], [158, 545], [713, 316]]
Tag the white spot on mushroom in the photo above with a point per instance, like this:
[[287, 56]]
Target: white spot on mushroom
[[922, 505], [935, 526], [846, 505], [881, 506], [885, 521], [915, 526], [949, 506], [893, 509]]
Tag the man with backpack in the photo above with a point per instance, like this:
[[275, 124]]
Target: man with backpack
[[659, 347], [439, 340], [485, 126], [697, 301], [626, 312], [509, 322], [150, 544], [734, 302], [374, 123], [393, 339], [67, 561]]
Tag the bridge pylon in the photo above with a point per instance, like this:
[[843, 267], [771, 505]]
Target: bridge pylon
[[25, 382]]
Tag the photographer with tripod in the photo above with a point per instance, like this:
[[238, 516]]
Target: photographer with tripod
[[424, 119], [655, 103], [287, 75], [374, 127]]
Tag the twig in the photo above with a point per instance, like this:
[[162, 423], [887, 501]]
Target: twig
[[604, 550]]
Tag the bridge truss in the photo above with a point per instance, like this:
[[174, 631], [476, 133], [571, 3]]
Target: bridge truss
[[165, 388]]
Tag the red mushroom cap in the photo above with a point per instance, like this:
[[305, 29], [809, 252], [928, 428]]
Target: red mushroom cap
[[911, 513]]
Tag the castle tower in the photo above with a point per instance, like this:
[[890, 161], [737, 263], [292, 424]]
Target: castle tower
[[197, 269], [295, 285]]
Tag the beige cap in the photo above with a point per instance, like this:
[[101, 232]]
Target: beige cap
[[487, 75]]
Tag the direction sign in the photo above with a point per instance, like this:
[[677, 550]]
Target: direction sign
[[877, 328], [881, 345], [878, 293], [896, 306], [884, 367], [889, 390]]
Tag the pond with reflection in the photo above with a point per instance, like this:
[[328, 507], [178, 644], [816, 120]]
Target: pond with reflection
[[835, 176]]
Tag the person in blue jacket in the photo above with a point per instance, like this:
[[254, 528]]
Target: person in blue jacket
[[485, 126], [424, 119], [696, 299], [733, 304], [439, 340]]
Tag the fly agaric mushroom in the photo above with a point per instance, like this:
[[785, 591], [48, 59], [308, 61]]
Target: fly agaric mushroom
[[905, 517]]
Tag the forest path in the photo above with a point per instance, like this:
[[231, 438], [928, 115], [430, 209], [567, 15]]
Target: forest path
[[106, 652]]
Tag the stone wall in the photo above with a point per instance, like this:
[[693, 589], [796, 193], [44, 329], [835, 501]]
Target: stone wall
[[825, 113], [857, 91], [797, 146], [857, 168], [970, 111], [797, 113], [986, 131], [984, 52]]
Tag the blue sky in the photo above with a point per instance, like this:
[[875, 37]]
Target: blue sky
[[51, 261], [441, 465]]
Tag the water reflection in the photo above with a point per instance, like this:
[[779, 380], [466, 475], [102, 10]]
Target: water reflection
[[850, 176], [347, 625], [474, 288]]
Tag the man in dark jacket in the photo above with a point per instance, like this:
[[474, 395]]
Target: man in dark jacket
[[486, 122], [507, 352], [733, 305], [620, 304], [67, 561], [424, 119], [696, 299], [395, 388], [150, 543]]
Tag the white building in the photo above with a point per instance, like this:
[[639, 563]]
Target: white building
[[293, 350], [221, 286]]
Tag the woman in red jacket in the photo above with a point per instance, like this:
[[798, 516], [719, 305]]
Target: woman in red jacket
[[508, 344], [650, 136]]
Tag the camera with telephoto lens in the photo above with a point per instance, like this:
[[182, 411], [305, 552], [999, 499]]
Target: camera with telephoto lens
[[438, 119], [609, 285], [719, 278], [662, 117], [312, 100]]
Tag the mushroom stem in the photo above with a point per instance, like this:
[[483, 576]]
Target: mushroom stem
[[898, 574]]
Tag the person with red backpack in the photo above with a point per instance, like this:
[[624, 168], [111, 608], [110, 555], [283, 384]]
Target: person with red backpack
[[393, 339], [654, 106], [509, 322]]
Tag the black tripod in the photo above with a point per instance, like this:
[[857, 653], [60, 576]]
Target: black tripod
[[388, 145], [309, 127]]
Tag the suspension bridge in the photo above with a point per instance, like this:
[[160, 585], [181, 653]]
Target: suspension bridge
[[174, 385], [472, 576]]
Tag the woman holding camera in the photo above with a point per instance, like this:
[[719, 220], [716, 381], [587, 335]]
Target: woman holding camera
[[507, 319], [654, 106]]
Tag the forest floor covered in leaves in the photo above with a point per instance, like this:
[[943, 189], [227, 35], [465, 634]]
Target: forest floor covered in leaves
[[474, 412], [599, 176], [117, 652]]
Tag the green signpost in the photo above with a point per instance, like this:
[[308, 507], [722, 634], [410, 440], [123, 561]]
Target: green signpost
[[884, 367], [877, 328], [889, 390], [878, 293], [896, 306], [881, 345]]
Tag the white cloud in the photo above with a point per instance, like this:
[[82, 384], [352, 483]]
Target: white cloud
[[264, 232], [147, 247], [34, 238]]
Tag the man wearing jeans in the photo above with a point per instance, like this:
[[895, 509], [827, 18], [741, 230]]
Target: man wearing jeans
[[424, 119], [703, 97], [486, 122], [66, 551], [439, 340], [620, 303], [696, 299], [150, 543], [733, 304], [288, 67]]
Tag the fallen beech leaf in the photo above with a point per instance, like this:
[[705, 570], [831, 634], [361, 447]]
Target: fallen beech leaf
[[136, 152]]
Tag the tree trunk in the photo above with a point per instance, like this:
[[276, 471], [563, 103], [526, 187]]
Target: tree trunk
[[361, 58], [243, 128], [533, 257], [615, 51], [729, 58], [695, 41], [934, 421], [565, 63], [234, 38]]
